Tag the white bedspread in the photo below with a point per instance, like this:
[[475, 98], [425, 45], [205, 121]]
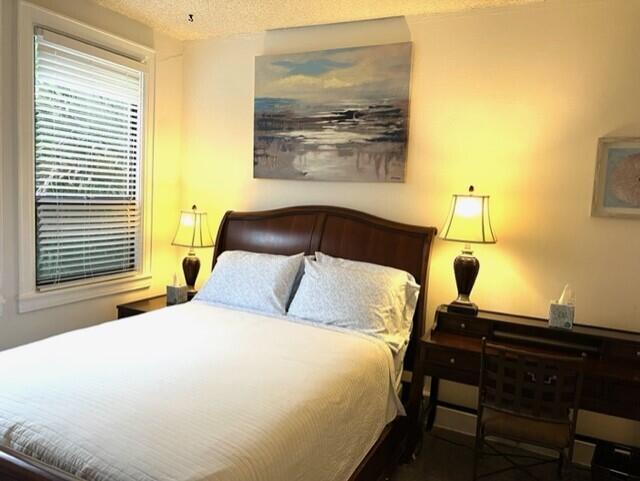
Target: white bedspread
[[196, 392]]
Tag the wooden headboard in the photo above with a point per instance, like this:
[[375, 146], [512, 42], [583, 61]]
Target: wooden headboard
[[339, 232]]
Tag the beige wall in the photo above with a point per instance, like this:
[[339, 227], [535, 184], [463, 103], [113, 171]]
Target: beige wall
[[17, 328], [511, 100]]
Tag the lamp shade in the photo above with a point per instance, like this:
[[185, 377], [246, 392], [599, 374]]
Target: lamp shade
[[468, 220], [193, 230]]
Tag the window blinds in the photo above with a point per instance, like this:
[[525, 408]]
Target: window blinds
[[87, 162]]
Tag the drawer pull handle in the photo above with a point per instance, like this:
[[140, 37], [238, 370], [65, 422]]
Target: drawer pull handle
[[464, 326], [547, 379], [584, 354], [550, 379], [452, 360], [638, 353]]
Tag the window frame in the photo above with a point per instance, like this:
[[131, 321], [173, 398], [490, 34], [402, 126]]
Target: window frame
[[3, 153], [31, 298]]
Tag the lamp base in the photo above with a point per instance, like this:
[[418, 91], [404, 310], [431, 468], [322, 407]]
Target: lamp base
[[191, 267], [466, 268], [468, 308]]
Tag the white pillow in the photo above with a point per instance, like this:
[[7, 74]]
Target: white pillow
[[261, 282], [400, 282], [299, 274], [323, 258], [363, 300]]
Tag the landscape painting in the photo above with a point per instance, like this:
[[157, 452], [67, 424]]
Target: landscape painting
[[333, 115]]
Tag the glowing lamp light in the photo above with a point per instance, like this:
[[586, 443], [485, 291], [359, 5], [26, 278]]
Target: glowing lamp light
[[468, 206], [468, 221], [187, 219]]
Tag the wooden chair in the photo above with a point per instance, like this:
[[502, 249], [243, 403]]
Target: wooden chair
[[528, 398]]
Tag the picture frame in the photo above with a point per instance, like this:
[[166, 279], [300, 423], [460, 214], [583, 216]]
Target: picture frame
[[337, 115], [616, 188]]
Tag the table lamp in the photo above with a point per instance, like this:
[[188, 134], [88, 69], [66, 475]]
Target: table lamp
[[468, 222], [193, 232]]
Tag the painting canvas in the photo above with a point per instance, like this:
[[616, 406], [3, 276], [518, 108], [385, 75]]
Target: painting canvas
[[334, 115], [617, 185]]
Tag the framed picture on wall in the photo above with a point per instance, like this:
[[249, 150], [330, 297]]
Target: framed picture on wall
[[616, 190], [334, 115]]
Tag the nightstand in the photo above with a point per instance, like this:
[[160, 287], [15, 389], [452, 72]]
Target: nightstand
[[143, 305]]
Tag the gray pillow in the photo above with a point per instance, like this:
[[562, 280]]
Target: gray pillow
[[368, 301], [401, 282], [249, 280]]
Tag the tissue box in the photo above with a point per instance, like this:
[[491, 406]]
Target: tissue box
[[561, 315], [176, 294]]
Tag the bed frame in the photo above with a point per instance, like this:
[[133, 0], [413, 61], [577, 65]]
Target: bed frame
[[338, 232]]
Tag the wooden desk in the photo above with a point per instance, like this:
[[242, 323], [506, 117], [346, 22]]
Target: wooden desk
[[451, 351]]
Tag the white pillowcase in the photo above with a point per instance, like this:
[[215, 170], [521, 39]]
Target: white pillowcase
[[364, 297], [400, 282], [299, 274], [249, 280]]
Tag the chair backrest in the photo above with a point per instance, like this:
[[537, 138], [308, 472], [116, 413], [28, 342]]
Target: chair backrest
[[540, 386]]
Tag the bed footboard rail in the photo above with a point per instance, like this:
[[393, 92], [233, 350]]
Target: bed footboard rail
[[15, 466]]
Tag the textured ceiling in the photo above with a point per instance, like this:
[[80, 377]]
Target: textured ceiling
[[216, 18]]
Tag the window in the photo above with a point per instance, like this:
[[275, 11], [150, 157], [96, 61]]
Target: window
[[88, 98], [87, 164]]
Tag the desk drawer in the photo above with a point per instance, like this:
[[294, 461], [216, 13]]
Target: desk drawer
[[453, 359], [624, 350], [467, 327], [622, 399]]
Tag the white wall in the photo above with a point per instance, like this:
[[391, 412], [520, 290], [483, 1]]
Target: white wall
[[17, 328], [511, 100]]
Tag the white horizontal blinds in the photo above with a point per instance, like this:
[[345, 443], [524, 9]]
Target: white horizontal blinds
[[87, 162]]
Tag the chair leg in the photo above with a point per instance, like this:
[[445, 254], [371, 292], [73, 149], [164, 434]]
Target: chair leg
[[560, 463], [476, 453]]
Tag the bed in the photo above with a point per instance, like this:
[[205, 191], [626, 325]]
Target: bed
[[201, 392]]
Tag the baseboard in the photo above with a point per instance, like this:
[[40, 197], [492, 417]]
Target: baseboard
[[465, 423]]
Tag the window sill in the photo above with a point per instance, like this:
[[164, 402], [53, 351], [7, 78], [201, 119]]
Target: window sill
[[33, 301]]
